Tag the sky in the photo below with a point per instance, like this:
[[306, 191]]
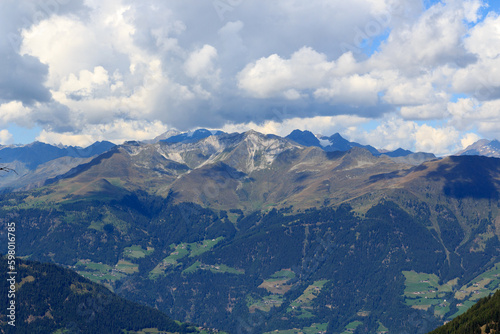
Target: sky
[[421, 75]]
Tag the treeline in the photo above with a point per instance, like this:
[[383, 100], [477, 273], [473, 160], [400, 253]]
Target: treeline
[[361, 255], [484, 314], [51, 298]]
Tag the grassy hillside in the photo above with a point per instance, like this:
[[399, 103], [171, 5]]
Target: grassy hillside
[[483, 317], [51, 299]]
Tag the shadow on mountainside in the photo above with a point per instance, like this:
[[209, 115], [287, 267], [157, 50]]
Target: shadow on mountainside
[[469, 176]]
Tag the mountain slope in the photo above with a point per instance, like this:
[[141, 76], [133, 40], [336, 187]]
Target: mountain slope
[[255, 232], [398, 153], [484, 317], [50, 298], [35, 163], [37, 153], [337, 143], [259, 170], [488, 148], [305, 138]]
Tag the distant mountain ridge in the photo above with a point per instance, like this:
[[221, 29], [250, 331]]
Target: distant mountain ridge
[[330, 144], [337, 143], [38, 153], [36, 162]]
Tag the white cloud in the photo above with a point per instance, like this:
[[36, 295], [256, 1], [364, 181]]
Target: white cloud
[[86, 83], [425, 111], [462, 113], [15, 112], [470, 114], [471, 8], [391, 134], [273, 76], [484, 38], [5, 137], [434, 39], [117, 132], [411, 91], [54, 43], [231, 41], [469, 139], [355, 89], [482, 78], [440, 141], [394, 132], [107, 62], [200, 63], [326, 125]]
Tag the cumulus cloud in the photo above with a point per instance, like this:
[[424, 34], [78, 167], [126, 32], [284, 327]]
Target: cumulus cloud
[[200, 63], [326, 125], [79, 69], [117, 132], [5, 137], [394, 132], [270, 76], [434, 39], [15, 112], [23, 77], [469, 139], [425, 111]]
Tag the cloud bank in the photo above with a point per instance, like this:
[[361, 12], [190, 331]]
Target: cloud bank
[[384, 72]]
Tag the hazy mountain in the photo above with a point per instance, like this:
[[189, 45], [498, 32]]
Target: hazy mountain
[[37, 153], [337, 143], [35, 163], [398, 153], [488, 148], [330, 144], [305, 138]]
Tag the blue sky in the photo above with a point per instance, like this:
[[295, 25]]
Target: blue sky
[[421, 75]]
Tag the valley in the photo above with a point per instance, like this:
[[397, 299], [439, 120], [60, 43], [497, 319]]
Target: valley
[[257, 233]]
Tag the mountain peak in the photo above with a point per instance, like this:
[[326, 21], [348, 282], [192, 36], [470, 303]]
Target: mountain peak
[[336, 136], [252, 132], [305, 138], [400, 152]]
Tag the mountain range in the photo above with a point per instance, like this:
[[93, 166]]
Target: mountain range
[[38, 162], [247, 232], [35, 162]]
